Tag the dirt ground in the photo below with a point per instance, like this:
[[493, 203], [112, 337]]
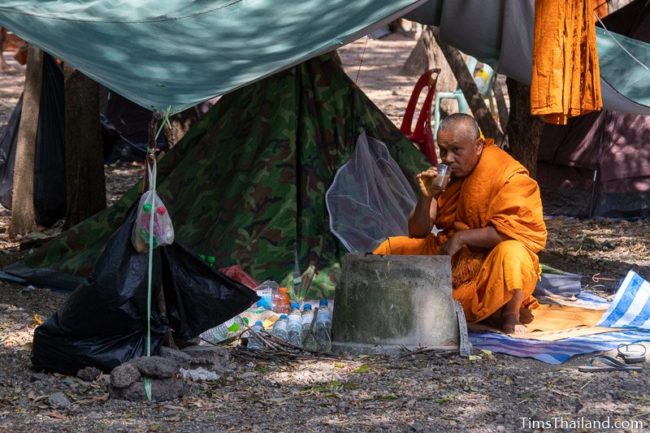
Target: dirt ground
[[430, 392]]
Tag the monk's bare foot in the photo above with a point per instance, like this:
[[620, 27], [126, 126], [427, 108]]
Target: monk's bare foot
[[511, 325], [525, 316]]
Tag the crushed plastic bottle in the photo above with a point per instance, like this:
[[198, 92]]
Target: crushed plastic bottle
[[280, 328], [323, 327], [294, 325], [214, 335], [226, 330], [308, 340], [254, 342]]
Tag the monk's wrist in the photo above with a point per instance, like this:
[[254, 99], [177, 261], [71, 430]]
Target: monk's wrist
[[460, 237]]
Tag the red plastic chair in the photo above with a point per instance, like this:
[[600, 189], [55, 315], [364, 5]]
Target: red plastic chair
[[422, 136]]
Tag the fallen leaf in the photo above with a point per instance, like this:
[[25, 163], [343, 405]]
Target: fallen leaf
[[37, 319], [488, 354], [389, 396], [56, 415], [94, 399], [445, 399], [363, 368]]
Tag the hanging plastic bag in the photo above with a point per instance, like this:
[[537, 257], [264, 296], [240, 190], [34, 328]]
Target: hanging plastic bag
[[370, 198], [163, 229]]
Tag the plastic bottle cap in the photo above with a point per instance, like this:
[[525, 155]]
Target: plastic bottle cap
[[306, 307], [283, 290], [259, 323], [295, 305], [283, 316], [245, 320], [146, 207], [161, 210], [322, 302]]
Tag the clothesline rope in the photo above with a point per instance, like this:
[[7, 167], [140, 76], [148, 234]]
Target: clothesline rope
[[152, 174], [619, 44]]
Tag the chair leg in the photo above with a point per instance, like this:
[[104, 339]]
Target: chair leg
[[436, 118], [462, 103]]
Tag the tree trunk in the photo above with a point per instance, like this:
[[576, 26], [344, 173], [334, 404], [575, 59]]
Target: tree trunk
[[502, 107], [181, 123], [470, 91], [23, 214], [422, 55], [85, 183], [4, 66], [524, 130]]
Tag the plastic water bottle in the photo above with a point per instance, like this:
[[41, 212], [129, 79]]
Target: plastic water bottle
[[323, 326], [224, 331], [280, 328], [294, 325], [254, 342], [308, 341], [215, 335]]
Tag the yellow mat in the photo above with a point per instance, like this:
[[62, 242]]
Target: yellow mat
[[555, 322]]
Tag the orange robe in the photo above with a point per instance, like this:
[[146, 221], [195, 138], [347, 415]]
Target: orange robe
[[500, 193], [566, 75]]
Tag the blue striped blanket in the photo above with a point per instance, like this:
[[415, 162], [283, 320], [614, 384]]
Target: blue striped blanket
[[630, 309]]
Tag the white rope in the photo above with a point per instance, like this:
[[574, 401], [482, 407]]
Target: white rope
[[619, 44]]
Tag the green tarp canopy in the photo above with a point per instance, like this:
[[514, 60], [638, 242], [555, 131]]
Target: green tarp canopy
[[177, 53], [247, 183]]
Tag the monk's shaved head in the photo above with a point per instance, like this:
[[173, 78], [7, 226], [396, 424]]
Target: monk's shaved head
[[462, 124], [460, 143]]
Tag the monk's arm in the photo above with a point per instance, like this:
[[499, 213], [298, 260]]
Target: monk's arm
[[422, 217], [486, 237]]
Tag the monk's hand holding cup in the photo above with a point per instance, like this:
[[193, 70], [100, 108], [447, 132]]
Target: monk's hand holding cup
[[434, 180], [425, 181], [439, 183]]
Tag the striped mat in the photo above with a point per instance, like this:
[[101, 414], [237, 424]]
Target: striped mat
[[629, 309], [631, 305], [559, 351]]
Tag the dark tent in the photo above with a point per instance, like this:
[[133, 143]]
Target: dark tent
[[125, 130], [599, 164], [247, 183]]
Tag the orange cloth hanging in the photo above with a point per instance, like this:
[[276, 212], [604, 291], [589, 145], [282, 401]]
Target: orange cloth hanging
[[500, 193], [566, 76]]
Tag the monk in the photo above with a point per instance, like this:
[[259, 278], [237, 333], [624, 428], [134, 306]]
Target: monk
[[492, 226]]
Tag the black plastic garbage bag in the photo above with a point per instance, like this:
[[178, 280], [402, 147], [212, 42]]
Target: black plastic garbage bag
[[104, 321]]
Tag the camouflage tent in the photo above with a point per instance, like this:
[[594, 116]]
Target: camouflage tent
[[247, 183]]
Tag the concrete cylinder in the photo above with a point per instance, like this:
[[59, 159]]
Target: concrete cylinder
[[384, 303]]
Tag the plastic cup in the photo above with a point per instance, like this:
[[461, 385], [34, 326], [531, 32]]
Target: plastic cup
[[442, 179]]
